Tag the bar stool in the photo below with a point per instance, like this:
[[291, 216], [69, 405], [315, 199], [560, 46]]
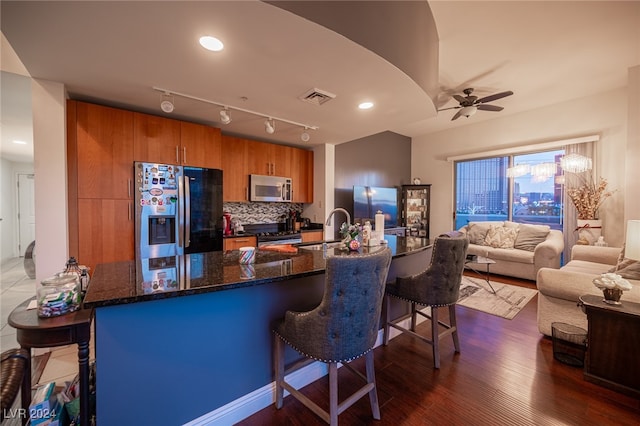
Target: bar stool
[[14, 366], [342, 328], [437, 286]]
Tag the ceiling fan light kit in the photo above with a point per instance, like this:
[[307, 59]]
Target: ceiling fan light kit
[[470, 104]]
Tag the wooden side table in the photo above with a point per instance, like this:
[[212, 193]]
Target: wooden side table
[[36, 332], [613, 344]]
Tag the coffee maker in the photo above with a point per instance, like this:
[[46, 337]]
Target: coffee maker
[[226, 223]]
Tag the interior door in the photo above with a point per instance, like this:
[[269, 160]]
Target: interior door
[[26, 212]]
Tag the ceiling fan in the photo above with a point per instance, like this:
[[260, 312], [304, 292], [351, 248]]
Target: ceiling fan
[[470, 104]]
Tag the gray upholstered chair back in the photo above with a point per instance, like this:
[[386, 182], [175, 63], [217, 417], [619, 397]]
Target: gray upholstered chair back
[[439, 284], [345, 324]]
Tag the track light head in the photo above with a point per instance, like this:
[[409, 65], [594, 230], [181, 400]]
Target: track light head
[[305, 135], [225, 118], [269, 126], [166, 104]]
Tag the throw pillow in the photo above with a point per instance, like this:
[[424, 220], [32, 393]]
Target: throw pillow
[[529, 236], [629, 269], [510, 224], [477, 232], [501, 237]]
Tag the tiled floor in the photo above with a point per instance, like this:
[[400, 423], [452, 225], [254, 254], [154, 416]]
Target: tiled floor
[[17, 287]]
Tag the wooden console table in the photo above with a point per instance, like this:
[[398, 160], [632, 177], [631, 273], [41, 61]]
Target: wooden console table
[[36, 332], [613, 344]]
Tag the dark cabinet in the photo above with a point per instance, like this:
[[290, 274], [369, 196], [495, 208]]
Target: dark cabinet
[[415, 208]]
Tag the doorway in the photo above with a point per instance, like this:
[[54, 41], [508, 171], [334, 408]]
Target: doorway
[[26, 212]]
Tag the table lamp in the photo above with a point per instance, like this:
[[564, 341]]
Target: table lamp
[[632, 243]]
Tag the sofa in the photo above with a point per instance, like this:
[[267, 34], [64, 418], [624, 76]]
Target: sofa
[[559, 290], [519, 250]]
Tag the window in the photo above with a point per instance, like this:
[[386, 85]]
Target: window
[[533, 194]]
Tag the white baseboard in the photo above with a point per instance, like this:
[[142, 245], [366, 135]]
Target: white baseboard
[[255, 401]]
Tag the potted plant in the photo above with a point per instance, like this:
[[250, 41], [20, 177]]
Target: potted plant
[[587, 197]]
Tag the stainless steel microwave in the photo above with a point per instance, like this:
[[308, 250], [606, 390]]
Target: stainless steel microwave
[[269, 188]]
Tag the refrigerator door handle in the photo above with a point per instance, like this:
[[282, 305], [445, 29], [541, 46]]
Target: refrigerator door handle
[[187, 212], [180, 212]]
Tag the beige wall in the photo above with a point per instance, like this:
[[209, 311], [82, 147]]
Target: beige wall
[[604, 115], [48, 102]]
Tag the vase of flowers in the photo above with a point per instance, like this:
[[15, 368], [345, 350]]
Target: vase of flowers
[[587, 197], [612, 286], [350, 235]]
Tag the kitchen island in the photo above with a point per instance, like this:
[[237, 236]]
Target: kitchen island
[[195, 345]]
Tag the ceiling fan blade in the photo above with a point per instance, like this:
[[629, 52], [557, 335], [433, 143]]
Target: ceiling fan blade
[[494, 97], [455, 107], [489, 107], [457, 115], [459, 98]]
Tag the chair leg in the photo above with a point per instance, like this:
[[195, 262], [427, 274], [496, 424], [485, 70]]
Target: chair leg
[[278, 360], [435, 337], [333, 394], [371, 378], [414, 317], [454, 326], [387, 319]]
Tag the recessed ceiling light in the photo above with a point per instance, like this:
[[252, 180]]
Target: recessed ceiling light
[[20, 142], [211, 43], [366, 105]]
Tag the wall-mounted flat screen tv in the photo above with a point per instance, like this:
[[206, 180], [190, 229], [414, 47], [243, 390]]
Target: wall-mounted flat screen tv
[[367, 200]]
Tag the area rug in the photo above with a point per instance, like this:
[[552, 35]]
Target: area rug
[[506, 303]]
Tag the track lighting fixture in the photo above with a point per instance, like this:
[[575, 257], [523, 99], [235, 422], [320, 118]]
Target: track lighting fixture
[[167, 102], [269, 126], [305, 135], [225, 118]]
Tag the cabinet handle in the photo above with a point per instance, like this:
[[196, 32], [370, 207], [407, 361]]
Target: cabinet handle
[[177, 155], [129, 184], [129, 208], [184, 155]]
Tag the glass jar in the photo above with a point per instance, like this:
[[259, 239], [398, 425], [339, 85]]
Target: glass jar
[[58, 295]]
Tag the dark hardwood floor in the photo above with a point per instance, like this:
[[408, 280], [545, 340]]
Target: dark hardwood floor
[[504, 375]]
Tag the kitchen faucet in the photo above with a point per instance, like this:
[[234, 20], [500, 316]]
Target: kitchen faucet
[[339, 209]]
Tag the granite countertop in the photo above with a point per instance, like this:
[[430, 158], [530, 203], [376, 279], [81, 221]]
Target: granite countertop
[[129, 282]]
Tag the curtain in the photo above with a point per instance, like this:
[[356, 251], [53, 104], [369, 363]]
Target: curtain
[[570, 217]]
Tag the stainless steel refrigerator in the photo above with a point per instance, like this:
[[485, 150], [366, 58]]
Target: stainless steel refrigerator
[[178, 210]]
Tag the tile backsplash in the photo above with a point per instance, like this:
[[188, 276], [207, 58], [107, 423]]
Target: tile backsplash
[[255, 213]]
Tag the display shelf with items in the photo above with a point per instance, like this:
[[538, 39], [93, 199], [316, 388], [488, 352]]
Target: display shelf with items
[[415, 209]]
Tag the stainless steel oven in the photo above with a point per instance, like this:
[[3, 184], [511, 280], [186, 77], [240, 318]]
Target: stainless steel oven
[[270, 238]]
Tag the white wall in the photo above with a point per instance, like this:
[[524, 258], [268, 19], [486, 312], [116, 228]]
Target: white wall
[[9, 206], [604, 114], [48, 100], [632, 195]]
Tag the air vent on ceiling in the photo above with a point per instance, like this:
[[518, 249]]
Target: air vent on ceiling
[[317, 96]]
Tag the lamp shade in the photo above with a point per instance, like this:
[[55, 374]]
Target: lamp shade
[[632, 242]]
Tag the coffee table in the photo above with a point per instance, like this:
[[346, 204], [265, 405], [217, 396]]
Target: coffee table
[[480, 260]]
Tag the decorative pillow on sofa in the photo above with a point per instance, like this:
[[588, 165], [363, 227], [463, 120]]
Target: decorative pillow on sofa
[[529, 236], [628, 269], [477, 232], [501, 237]]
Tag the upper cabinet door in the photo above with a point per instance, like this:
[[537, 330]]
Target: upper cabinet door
[[201, 146], [104, 149], [156, 139], [302, 175], [235, 172]]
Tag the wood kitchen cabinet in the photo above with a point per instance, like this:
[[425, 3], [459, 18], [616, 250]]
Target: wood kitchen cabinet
[[269, 159], [234, 243], [302, 175], [235, 172], [100, 183], [311, 236], [102, 141], [106, 231], [164, 140], [201, 145]]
